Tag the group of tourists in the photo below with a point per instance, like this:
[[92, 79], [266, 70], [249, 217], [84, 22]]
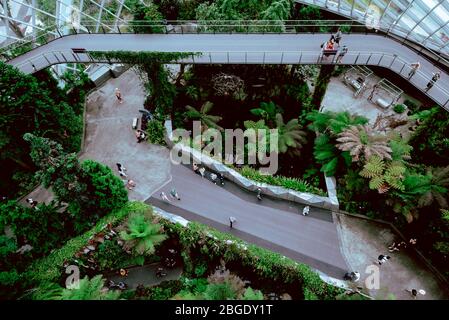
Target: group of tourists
[[332, 47], [415, 66], [130, 184]]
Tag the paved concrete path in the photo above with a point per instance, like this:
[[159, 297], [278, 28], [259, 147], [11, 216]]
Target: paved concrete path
[[145, 275], [110, 137], [274, 224], [244, 48]]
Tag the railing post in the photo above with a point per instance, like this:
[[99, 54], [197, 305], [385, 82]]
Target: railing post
[[76, 59], [400, 72], [381, 57], [357, 58], [395, 56], [367, 61], [49, 63], [62, 54], [56, 57], [300, 57], [210, 57], [282, 57]]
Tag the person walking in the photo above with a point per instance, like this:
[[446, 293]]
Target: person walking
[[382, 259], [371, 96], [164, 197], [213, 177], [436, 76], [121, 170], [305, 211], [415, 292], [338, 36], [341, 53], [32, 203], [118, 95], [414, 67], [202, 171], [259, 194], [130, 184], [175, 194], [232, 220]]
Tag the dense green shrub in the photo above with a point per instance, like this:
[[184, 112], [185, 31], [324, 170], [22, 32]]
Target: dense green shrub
[[90, 189], [156, 132], [33, 104], [413, 106], [289, 183], [48, 269], [399, 108]]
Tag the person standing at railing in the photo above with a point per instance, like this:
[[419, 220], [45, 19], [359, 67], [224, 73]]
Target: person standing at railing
[[414, 67], [338, 36], [432, 81]]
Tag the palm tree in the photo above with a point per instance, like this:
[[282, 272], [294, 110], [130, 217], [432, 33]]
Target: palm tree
[[428, 188], [360, 141], [291, 137], [92, 289], [207, 120], [142, 235]]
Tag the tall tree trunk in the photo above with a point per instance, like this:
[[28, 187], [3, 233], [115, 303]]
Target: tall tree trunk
[[321, 84]]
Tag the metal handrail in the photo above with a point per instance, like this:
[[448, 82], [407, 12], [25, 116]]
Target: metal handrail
[[160, 26], [315, 57]]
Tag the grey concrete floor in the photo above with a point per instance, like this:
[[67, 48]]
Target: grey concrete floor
[[362, 241], [145, 275], [110, 137]]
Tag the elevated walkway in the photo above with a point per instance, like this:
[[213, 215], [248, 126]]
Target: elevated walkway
[[239, 48]]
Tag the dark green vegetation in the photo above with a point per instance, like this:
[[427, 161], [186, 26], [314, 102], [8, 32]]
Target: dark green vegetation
[[214, 270], [35, 104], [385, 172]]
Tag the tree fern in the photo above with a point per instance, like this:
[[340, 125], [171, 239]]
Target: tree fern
[[142, 235], [92, 289]]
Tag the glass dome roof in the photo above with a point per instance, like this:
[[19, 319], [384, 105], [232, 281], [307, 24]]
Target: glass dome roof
[[423, 21]]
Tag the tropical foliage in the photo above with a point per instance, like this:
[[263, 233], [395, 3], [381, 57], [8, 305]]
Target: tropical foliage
[[207, 120], [362, 143], [142, 234]]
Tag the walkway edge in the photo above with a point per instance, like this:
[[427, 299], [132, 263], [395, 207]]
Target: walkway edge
[[173, 218], [188, 153]]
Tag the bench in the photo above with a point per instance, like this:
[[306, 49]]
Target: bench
[[135, 123], [382, 103]]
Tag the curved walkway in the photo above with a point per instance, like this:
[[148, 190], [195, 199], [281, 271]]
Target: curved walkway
[[243, 48], [275, 224]]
